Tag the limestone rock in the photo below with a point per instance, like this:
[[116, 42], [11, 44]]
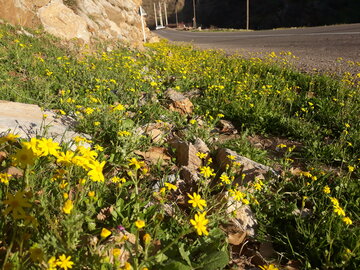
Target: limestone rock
[[61, 21], [227, 127], [250, 168], [244, 220], [14, 172], [156, 131], [189, 175], [201, 146], [186, 155], [28, 120], [85, 20], [178, 102], [154, 155]]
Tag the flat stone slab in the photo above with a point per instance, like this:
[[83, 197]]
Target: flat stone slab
[[27, 120]]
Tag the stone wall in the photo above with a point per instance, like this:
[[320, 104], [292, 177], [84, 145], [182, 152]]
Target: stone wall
[[86, 20]]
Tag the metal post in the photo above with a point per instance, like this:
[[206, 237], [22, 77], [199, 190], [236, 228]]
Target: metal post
[[194, 19], [247, 14], [160, 12], [142, 22], [166, 17], [156, 21]]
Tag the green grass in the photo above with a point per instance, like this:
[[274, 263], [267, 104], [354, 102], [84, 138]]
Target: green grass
[[71, 203]]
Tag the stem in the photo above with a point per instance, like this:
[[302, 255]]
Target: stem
[[136, 261], [26, 176], [172, 243], [8, 251]]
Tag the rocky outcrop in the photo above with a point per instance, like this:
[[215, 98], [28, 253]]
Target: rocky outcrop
[[28, 120], [85, 20]]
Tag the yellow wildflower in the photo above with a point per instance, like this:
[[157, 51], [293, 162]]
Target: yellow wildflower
[[334, 201], [16, 203], [105, 233], [207, 171], [65, 158], [196, 201], [9, 138], [147, 238], [225, 179], [119, 107], [140, 224], [24, 157], [52, 263], [201, 155], [116, 252], [64, 262], [68, 206], [199, 222], [326, 189], [4, 178], [269, 267], [347, 220], [137, 164], [96, 173], [170, 186], [338, 210], [124, 133]]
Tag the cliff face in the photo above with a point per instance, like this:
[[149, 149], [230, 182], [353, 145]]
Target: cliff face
[[82, 19]]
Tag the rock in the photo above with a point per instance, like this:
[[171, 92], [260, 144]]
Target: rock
[[85, 20], [156, 135], [28, 120], [194, 93], [227, 127], [154, 155], [250, 168], [15, 172], [244, 220], [178, 102], [236, 238], [155, 131], [24, 32], [267, 250], [306, 212], [3, 156], [189, 175], [147, 98], [201, 146], [186, 155], [61, 21]]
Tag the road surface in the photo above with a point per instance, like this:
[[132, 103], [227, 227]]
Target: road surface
[[318, 48]]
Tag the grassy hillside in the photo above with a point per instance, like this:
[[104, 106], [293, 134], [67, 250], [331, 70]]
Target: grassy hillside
[[105, 207]]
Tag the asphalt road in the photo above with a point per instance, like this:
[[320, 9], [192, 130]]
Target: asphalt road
[[317, 47]]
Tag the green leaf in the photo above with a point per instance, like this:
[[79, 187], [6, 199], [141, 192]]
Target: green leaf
[[184, 254], [176, 265], [160, 257], [127, 123], [215, 260]]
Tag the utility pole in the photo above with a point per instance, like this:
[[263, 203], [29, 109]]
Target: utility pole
[[166, 17], [160, 12], [176, 17], [156, 21], [194, 19], [247, 14]]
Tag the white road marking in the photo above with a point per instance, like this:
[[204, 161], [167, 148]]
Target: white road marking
[[240, 35]]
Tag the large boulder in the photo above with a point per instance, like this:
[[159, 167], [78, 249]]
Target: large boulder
[[28, 120], [85, 20]]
